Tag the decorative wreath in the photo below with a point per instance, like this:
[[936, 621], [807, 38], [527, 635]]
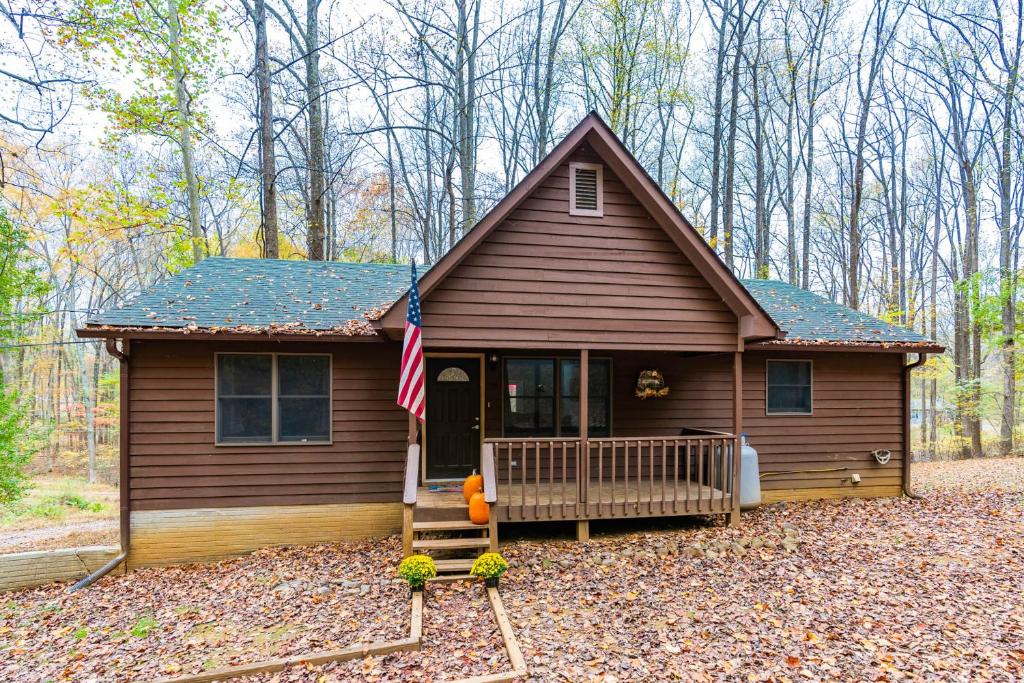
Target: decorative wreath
[[651, 384]]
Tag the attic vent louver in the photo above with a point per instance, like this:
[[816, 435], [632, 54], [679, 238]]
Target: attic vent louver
[[586, 189]]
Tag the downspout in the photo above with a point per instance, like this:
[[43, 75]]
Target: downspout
[[125, 480], [907, 491]]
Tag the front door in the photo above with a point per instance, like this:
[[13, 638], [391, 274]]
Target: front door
[[453, 417]]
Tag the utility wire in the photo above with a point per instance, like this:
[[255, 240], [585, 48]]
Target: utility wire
[[60, 343]]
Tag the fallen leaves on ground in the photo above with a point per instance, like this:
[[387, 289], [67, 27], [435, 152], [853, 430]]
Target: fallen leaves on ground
[[176, 620], [883, 590]]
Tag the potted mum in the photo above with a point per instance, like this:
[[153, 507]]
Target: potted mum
[[489, 567], [416, 569]]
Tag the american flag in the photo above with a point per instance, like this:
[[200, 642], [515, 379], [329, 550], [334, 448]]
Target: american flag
[[410, 389]]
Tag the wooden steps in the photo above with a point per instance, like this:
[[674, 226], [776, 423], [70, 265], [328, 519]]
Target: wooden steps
[[451, 525], [450, 543], [438, 525], [453, 566]]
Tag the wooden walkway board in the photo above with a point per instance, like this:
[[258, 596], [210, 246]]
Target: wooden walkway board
[[323, 657]]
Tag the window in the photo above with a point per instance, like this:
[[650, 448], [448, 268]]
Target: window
[[542, 397], [586, 189], [452, 374], [788, 387], [273, 398]]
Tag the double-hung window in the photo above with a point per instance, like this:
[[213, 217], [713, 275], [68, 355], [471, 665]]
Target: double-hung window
[[542, 397], [788, 387], [273, 398]]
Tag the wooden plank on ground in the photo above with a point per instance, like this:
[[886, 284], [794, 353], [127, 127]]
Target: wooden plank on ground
[[515, 655], [315, 658]]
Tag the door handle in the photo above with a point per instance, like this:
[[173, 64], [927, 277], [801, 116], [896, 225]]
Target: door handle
[[477, 427]]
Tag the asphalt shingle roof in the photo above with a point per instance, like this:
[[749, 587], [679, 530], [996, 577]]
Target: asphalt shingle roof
[[807, 316], [263, 294]]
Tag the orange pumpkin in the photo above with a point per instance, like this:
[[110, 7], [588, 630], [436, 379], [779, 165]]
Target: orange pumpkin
[[473, 483], [479, 510]]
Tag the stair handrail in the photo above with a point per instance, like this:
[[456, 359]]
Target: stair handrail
[[488, 472], [412, 474]]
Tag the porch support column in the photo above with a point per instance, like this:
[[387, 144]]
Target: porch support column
[[737, 422], [583, 525]]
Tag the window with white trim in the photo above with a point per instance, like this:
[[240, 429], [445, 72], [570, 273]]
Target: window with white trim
[[788, 387], [273, 398], [586, 189]]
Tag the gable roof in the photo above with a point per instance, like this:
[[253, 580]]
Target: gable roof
[[258, 295], [754, 322], [810, 319], [330, 299]]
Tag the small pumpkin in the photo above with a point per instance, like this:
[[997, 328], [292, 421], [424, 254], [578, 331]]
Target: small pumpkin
[[473, 483], [479, 510]]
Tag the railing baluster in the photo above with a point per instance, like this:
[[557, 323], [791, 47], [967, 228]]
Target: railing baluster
[[612, 508], [650, 478], [600, 475], [689, 474], [664, 447], [626, 477], [563, 479], [536, 478], [522, 492], [675, 475], [700, 475], [551, 481]]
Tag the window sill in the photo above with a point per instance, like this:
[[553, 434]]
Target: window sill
[[264, 444]]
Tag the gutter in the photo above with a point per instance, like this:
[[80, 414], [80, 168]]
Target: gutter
[[907, 369], [125, 480]]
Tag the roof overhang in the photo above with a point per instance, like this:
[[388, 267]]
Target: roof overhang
[[221, 334], [854, 346], [754, 322]]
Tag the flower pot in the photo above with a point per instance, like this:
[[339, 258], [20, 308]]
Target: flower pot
[[491, 582], [416, 589]]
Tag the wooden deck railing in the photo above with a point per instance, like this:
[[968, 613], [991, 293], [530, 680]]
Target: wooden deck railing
[[541, 479], [412, 479]]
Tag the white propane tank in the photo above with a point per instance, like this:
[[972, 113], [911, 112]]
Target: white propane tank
[[750, 479]]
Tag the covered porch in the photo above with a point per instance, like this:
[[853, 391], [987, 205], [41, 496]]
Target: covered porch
[[608, 478], [598, 450]]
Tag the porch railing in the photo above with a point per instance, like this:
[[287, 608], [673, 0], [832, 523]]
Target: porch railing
[[548, 479]]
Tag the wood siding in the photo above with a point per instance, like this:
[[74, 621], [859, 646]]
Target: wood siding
[[545, 279], [857, 408], [174, 462]]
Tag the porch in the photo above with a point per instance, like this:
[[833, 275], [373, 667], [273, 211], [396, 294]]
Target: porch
[[568, 436], [609, 478]]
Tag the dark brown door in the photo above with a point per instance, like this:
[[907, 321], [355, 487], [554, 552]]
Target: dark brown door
[[453, 417]]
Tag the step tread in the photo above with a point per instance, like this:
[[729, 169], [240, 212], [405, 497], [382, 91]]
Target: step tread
[[453, 565], [460, 525], [449, 543], [454, 577]]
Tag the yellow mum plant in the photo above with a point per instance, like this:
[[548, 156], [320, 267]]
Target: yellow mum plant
[[489, 566], [416, 569]]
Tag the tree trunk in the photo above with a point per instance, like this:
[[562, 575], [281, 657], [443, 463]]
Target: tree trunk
[[183, 113], [315, 235], [86, 394], [268, 168], [716, 135], [1007, 259]]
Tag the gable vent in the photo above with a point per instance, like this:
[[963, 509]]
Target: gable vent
[[586, 191]]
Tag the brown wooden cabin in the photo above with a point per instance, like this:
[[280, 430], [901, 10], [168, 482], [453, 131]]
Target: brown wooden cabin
[[258, 396]]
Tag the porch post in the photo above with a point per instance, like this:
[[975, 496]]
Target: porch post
[[583, 475], [737, 422]]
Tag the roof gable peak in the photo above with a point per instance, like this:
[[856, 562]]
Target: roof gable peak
[[599, 137]]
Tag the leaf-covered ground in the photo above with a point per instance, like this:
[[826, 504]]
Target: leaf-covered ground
[[176, 620], [879, 590]]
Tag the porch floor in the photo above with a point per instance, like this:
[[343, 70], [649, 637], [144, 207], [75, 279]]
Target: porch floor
[[552, 501]]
